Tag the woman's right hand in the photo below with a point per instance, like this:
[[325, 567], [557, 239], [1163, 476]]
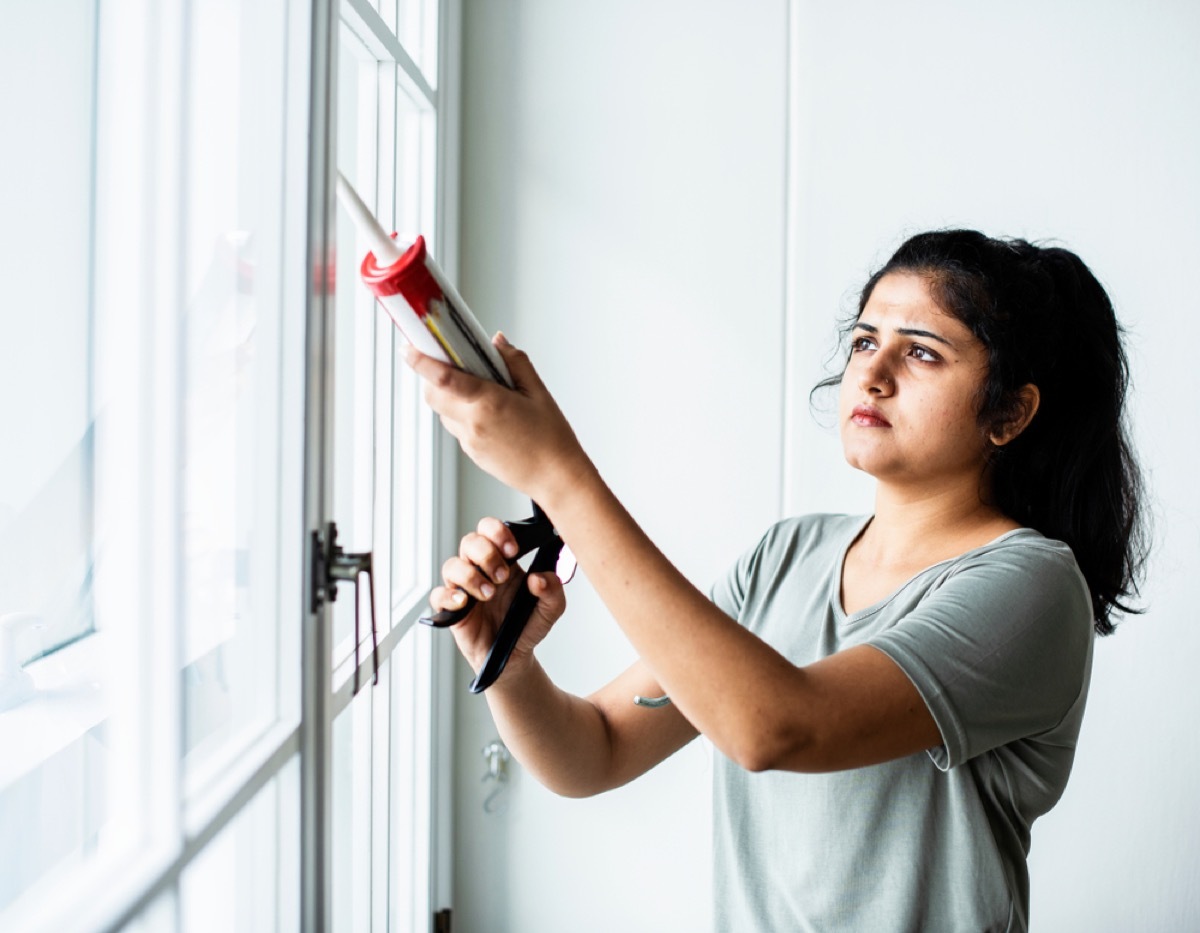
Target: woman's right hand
[[482, 569]]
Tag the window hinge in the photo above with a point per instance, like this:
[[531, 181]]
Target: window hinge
[[441, 921], [331, 564]]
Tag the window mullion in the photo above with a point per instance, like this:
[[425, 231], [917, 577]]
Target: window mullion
[[316, 779], [381, 778], [163, 660], [366, 23]]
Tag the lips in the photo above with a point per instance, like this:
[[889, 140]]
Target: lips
[[869, 417]]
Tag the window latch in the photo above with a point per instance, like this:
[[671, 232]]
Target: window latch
[[331, 564]]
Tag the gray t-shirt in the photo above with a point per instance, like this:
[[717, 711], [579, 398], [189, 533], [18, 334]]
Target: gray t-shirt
[[998, 642]]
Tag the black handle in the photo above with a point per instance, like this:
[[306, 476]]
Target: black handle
[[530, 533], [447, 617], [519, 611]]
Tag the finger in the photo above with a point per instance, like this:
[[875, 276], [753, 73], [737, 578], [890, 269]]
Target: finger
[[519, 367], [446, 597], [466, 576], [443, 381], [499, 534], [485, 555], [552, 598]]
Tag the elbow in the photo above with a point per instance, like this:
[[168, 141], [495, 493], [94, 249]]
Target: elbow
[[578, 786], [754, 760], [770, 749], [570, 787], [575, 792]]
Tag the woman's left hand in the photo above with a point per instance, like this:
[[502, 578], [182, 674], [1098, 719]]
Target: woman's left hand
[[518, 436]]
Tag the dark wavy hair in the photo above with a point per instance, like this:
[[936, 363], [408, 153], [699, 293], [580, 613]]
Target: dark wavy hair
[[1044, 319]]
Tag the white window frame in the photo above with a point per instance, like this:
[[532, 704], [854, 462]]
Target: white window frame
[[112, 898]]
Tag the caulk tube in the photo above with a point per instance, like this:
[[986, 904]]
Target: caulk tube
[[420, 300]]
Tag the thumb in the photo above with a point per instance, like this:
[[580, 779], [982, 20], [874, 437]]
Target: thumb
[[551, 600], [519, 367]]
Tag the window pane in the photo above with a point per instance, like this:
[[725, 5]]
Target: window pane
[[412, 823], [232, 234], [159, 917], [52, 816], [247, 880], [352, 812], [354, 334], [417, 28], [46, 412], [412, 488], [69, 755]]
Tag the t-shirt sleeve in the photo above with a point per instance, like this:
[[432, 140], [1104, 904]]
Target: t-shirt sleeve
[[728, 591], [731, 591], [999, 650]]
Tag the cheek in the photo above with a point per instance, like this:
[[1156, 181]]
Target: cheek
[[956, 424], [844, 397]]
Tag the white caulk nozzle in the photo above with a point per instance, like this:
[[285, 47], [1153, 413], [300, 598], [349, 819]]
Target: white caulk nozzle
[[386, 250]]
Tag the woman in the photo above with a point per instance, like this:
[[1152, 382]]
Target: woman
[[896, 697]]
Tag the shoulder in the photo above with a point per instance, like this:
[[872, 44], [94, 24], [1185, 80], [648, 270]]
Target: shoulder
[[1030, 563], [1021, 586]]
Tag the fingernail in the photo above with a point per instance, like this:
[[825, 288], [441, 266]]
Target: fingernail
[[501, 574], [501, 339], [458, 597], [510, 549], [487, 590], [410, 353]]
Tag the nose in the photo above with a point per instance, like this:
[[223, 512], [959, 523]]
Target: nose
[[875, 376]]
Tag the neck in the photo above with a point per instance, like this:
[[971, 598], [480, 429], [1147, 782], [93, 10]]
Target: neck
[[921, 526]]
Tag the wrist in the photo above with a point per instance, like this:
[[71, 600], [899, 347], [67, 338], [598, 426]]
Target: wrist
[[569, 479]]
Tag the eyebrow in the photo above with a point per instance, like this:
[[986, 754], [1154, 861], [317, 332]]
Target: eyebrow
[[907, 332]]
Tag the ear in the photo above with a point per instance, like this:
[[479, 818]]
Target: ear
[[1025, 406]]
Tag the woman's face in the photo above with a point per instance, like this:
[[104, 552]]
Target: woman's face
[[907, 409]]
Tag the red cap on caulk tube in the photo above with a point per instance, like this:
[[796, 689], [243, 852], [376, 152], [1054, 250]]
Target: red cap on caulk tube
[[420, 300]]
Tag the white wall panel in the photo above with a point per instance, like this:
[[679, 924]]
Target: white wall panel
[[1071, 120], [622, 220], [624, 190]]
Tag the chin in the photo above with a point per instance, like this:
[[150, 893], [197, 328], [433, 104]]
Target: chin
[[869, 462]]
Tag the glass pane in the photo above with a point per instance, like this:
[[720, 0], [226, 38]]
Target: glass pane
[[352, 812], [68, 753], [412, 489], [232, 234], [51, 816], [159, 917], [354, 334], [46, 412], [411, 824], [416, 28], [247, 880]]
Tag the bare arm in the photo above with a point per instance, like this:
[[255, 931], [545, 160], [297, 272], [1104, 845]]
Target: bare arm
[[762, 711], [852, 709], [574, 746]]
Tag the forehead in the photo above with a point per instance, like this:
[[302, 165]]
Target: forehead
[[903, 299]]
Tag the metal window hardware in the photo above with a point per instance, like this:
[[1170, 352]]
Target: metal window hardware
[[331, 564], [497, 755]]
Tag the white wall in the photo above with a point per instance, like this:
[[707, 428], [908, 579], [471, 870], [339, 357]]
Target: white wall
[[622, 219], [624, 167], [1075, 120]]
